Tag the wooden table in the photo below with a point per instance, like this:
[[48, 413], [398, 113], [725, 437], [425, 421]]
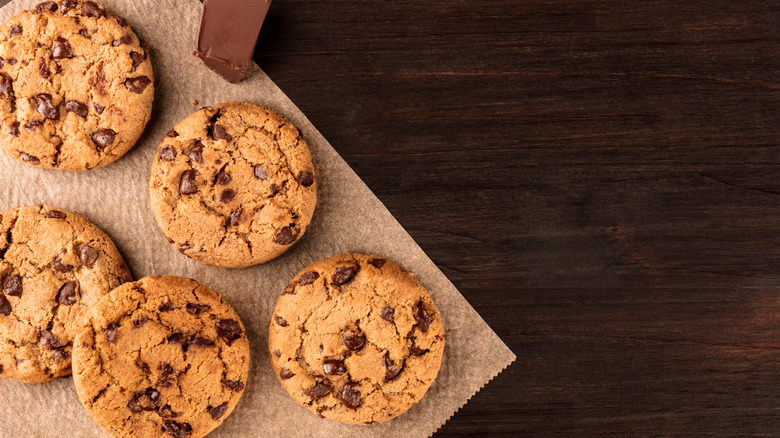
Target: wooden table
[[601, 180]]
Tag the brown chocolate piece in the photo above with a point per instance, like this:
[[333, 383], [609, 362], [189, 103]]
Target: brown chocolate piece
[[228, 33]]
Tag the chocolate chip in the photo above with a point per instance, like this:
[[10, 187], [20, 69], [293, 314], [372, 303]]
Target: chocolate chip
[[61, 266], [43, 69], [85, 33], [137, 85], [54, 214], [388, 314], [392, 371], [149, 400], [198, 342], [88, 256], [350, 395], [219, 411], [319, 390], [77, 108], [417, 351], [220, 133], [354, 341], [286, 236], [281, 321], [137, 59], [305, 178], [167, 153], [274, 189], [260, 173], [422, 317], [343, 275], [61, 355], [62, 49], [16, 30], [49, 340], [285, 374], [176, 339], [308, 278], [14, 129], [140, 321], [223, 178], [5, 306], [13, 286], [98, 107], [277, 353], [229, 329], [46, 106], [67, 294], [29, 158], [46, 7], [91, 9], [187, 185], [11, 61], [196, 153], [172, 133], [226, 195], [194, 309], [234, 385], [334, 367], [7, 87], [235, 217], [126, 39], [166, 306], [67, 5], [111, 333], [377, 263], [176, 429], [184, 247], [104, 138], [166, 411]]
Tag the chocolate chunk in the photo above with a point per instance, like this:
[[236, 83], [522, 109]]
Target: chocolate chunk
[[194, 309], [260, 173], [85, 33], [88, 256], [184, 247], [343, 275], [172, 133], [67, 294], [111, 333], [61, 266], [308, 278], [229, 329], [7, 89], [422, 317], [285, 374], [103, 138], [223, 178], [219, 411], [91, 9], [11, 61], [49, 340], [176, 429], [377, 263], [392, 371], [354, 341], [43, 69], [46, 106], [274, 189], [226, 195], [286, 236], [54, 214], [13, 286], [289, 289], [235, 217], [67, 5], [417, 351], [220, 133], [234, 385], [98, 107], [228, 49], [61, 354], [137, 59], [29, 158], [46, 7], [196, 153], [388, 314], [176, 339], [5, 306], [166, 306], [167, 153], [305, 178], [62, 49], [149, 400], [350, 395], [281, 321], [166, 411], [14, 129], [16, 30], [77, 108], [166, 370], [126, 39], [319, 390], [137, 85], [188, 185], [140, 321], [334, 367], [198, 342]]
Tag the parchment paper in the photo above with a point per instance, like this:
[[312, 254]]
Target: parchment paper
[[348, 218]]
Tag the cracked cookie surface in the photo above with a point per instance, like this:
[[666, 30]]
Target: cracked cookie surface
[[233, 186], [76, 86], [355, 338], [54, 265], [164, 356]]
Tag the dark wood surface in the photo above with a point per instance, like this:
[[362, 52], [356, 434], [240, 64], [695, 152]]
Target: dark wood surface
[[601, 180]]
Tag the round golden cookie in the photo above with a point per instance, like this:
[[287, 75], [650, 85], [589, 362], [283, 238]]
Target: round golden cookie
[[54, 266], [76, 86], [233, 186], [163, 356], [356, 339]]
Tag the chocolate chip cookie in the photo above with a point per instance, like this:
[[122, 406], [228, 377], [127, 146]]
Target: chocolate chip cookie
[[76, 86], [161, 356], [356, 339], [233, 186], [54, 266]]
